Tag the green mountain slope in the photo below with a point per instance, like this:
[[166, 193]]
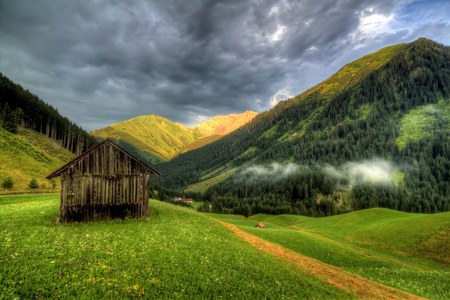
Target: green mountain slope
[[155, 138], [353, 72], [223, 125], [158, 139], [35, 114], [402, 250], [360, 115], [27, 155]]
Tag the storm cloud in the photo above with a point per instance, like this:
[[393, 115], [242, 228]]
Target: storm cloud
[[100, 62]]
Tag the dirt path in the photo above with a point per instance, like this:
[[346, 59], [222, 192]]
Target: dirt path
[[355, 284]]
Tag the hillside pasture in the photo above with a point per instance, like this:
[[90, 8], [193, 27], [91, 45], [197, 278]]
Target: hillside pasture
[[424, 121], [177, 253], [27, 155], [403, 250]]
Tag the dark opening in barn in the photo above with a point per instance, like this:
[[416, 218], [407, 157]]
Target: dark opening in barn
[[105, 182]]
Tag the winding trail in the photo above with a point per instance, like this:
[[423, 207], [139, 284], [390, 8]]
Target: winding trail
[[357, 285]]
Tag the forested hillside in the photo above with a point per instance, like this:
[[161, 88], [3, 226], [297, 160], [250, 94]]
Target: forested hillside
[[377, 133], [20, 108]]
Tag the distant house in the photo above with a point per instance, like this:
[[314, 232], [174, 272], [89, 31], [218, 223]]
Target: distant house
[[260, 225], [104, 182]]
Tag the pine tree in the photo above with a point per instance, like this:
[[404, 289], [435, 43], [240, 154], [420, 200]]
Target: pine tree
[[9, 120]]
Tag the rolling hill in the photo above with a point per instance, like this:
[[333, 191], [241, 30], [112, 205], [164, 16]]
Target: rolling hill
[[158, 139], [403, 250], [180, 253], [361, 119], [27, 155], [177, 253]]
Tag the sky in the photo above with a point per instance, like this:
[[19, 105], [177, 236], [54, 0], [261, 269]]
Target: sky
[[103, 61]]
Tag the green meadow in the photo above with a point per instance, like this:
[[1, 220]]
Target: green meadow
[[176, 253], [406, 251], [424, 121], [180, 253]]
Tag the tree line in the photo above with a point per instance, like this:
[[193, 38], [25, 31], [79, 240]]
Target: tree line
[[358, 123], [19, 107]]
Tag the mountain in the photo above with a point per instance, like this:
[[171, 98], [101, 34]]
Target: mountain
[[30, 155], [158, 139], [223, 125], [376, 133], [155, 138]]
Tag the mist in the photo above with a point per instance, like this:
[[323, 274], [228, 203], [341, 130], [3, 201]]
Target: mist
[[376, 171], [274, 171]]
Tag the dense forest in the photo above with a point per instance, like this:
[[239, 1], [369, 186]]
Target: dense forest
[[19, 107], [364, 120]]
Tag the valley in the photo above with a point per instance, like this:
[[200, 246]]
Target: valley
[[376, 133], [224, 149], [181, 252]]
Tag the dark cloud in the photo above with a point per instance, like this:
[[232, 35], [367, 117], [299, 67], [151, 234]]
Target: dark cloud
[[102, 61]]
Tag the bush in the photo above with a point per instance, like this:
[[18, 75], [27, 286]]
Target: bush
[[7, 183], [33, 184]]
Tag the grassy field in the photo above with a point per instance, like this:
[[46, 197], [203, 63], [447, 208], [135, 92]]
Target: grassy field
[[423, 121], [177, 253], [29, 155], [204, 185], [406, 251]]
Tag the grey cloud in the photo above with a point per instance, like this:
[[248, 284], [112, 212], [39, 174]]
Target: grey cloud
[[102, 61]]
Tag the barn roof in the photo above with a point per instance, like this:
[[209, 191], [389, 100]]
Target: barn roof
[[260, 225], [80, 157]]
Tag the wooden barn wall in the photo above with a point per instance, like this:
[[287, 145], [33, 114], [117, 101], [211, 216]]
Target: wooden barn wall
[[105, 184]]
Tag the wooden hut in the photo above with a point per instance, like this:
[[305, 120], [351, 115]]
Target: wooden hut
[[104, 182]]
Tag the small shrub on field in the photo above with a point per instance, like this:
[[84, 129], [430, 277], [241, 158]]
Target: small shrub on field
[[7, 183], [33, 184]]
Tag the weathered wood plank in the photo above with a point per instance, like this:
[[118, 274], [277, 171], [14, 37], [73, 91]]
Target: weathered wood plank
[[107, 183]]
